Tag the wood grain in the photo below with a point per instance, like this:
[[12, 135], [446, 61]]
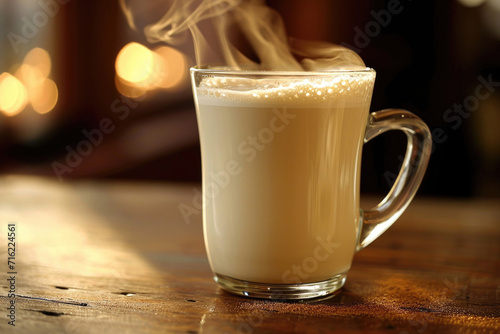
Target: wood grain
[[115, 257]]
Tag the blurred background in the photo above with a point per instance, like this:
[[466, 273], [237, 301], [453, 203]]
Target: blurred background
[[82, 95]]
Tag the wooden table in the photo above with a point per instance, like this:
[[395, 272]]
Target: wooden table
[[117, 257]]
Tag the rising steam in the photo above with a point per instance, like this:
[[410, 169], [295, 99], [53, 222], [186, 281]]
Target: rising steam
[[242, 34]]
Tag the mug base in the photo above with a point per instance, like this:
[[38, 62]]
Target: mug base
[[297, 291]]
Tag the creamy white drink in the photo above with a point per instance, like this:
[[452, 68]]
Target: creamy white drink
[[281, 172]]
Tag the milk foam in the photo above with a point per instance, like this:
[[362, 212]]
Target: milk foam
[[294, 91]]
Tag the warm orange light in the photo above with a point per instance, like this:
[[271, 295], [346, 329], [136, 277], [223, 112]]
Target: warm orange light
[[40, 59], [174, 67], [128, 90], [45, 98], [135, 64], [138, 69], [40, 91], [29, 75], [13, 95]]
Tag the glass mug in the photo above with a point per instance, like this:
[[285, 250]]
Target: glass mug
[[281, 154]]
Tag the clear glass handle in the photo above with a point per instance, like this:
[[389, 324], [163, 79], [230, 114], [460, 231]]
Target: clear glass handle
[[381, 217]]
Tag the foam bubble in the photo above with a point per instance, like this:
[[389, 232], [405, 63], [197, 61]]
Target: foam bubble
[[300, 90]]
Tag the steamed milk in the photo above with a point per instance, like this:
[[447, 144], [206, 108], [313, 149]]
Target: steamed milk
[[281, 170]]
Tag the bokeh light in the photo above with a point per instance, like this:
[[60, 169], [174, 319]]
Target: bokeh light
[[45, 97], [139, 69], [40, 59], [174, 66], [135, 64], [30, 76], [13, 95], [127, 89], [29, 85]]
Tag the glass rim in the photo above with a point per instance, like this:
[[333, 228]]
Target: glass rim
[[230, 71]]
